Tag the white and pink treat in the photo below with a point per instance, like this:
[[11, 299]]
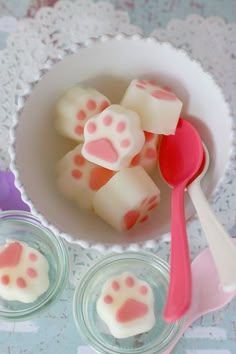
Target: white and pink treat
[[126, 305], [158, 107], [147, 157], [74, 109], [79, 179], [23, 272], [127, 198], [113, 138]]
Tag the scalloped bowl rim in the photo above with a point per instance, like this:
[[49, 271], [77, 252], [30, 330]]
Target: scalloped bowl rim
[[21, 99]]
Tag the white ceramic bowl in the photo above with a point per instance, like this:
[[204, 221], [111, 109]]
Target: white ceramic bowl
[[108, 64]]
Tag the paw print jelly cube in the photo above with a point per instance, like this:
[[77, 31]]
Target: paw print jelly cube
[[147, 157], [113, 138], [158, 107], [74, 108], [127, 198], [126, 305], [79, 179], [23, 272]]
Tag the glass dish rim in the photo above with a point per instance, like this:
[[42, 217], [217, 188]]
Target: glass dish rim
[[98, 265], [62, 274]]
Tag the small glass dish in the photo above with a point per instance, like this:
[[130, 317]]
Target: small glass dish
[[144, 266], [24, 227]]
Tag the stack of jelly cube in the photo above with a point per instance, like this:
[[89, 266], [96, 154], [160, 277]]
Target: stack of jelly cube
[[108, 172]]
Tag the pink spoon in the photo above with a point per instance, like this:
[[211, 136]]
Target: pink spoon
[[180, 157], [207, 294]]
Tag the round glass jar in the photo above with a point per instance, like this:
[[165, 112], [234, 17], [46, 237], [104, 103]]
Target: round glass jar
[[144, 266], [24, 227]]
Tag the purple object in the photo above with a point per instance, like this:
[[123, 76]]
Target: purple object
[[10, 197]]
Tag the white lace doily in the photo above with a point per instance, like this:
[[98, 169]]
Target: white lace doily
[[36, 40], [211, 41]]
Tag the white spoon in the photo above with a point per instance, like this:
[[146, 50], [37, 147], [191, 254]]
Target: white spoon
[[207, 293], [220, 242]]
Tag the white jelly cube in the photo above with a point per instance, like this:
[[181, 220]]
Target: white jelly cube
[[79, 179], [113, 138], [147, 157], [127, 198], [158, 107], [126, 305], [74, 108], [23, 272]]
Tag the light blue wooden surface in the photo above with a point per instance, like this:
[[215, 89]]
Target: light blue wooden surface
[[54, 331]]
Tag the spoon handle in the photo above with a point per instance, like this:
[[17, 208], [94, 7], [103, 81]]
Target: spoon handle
[[220, 242], [179, 292]]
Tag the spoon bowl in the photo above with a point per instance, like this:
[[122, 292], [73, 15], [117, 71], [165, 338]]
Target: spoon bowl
[[204, 166], [180, 155]]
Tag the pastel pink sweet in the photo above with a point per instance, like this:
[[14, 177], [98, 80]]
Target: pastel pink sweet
[[127, 198], [126, 305], [158, 107], [75, 107], [23, 272], [113, 138], [79, 179], [147, 157]]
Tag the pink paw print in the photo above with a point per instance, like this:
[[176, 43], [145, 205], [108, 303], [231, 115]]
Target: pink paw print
[[158, 107], [113, 138], [79, 179], [147, 157], [162, 93], [126, 305], [23, 272], [141, 212], [75, 108], [134, 196]]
